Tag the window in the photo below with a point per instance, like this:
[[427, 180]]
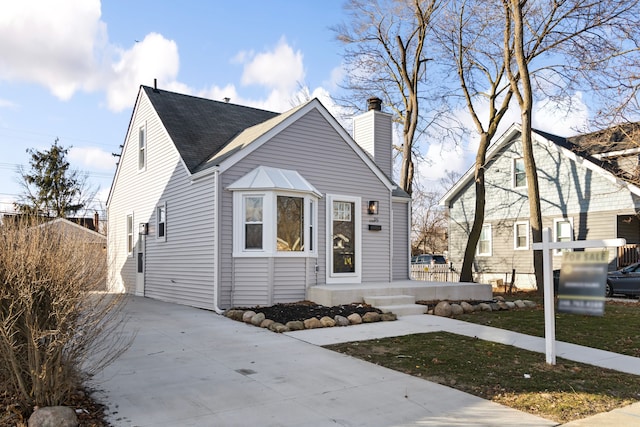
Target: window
[[290, 212], [130, 235], [142, 148], [484, 244], [311, 224], [521, 235], [519, 175], [253, 214], [563, 232], [161, 222]]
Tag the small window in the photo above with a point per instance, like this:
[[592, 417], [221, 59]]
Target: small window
[[130, 235], [563, 232], [142, 148], [484, 244], [519, 175], [253, 215], [342, 211], [161, 222], [521, 235], [311, 225], [290, 223]]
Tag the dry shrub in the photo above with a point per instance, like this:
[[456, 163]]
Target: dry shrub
[[57, 325]]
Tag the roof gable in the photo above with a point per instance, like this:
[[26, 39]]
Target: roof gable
[[201, 127], [565, 145]]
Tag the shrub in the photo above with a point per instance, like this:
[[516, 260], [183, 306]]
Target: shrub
[[56, 324]]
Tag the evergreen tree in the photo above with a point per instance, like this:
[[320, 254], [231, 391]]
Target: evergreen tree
[[51, 187]]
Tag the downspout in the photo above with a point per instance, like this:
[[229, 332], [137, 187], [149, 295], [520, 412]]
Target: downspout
[[216, 241]]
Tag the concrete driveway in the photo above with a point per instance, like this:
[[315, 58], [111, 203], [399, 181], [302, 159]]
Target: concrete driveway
[[191, 367]]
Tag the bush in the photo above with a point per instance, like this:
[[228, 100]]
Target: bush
[[56, 324]]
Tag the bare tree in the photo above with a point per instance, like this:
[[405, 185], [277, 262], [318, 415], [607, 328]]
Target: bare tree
[[472, 48], [590, 39], [386, 55]]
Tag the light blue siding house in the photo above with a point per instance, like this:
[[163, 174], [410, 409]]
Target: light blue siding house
[[216, 205], [588, 190]]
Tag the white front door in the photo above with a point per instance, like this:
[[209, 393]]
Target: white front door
[[344, 258], [140, 265]]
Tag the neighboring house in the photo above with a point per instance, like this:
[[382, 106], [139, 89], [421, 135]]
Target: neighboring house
[[588, 190], [216, 205]]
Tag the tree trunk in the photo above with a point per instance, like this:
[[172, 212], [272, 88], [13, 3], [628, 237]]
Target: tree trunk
[[466, 275]]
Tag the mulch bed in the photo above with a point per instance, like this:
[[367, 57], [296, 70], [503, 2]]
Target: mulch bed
[[302, 310]]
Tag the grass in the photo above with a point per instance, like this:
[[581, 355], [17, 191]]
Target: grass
[[515, 377]]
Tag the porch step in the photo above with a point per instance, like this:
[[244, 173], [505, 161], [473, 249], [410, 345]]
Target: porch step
[[400, 305], [379, 300], [403, 309]]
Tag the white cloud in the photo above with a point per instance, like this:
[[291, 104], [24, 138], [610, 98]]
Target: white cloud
[[91, 158], [51, 43], [280, 69], [4, 103], [153, 57]]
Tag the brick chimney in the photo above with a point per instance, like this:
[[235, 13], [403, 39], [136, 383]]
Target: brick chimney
[[372, 131]]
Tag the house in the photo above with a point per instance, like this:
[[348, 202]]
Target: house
[[216, 205], [588, 190]]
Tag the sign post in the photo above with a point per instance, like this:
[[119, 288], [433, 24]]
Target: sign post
[[547, 246]]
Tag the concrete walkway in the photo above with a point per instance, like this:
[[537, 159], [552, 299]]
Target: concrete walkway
[[191, 367]]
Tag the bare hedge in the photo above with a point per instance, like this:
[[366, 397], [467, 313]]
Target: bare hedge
[[57, 325]]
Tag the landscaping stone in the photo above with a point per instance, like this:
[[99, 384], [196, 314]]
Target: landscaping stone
[[388, 317], [247, 316], [234, 314], [257, 319], [466, 307], [295, 325], [519, 303], [530, 304], [371, 317], [266, 323], [499, 298], [503, 305], [53, 416], [354, 319], [278, 327], [443, 309], [494, 306], [510, 304], [327, 322], [312, 323], [484, 306], [341, 320], [456, 309]]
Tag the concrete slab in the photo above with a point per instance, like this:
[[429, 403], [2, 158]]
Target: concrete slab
[[191, 367]]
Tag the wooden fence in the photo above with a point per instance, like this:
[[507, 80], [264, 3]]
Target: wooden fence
[[434, 273], [627, 255]]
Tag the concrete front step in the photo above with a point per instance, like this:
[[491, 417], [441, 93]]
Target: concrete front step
[[403, 309], [379, 300]]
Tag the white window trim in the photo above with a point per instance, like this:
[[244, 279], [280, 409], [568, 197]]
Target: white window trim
[[131, 253], [515, 235], [558, 252], [513, 173], [269, 225], [145, 154], [490, 242], [355, 277], [159, 238]]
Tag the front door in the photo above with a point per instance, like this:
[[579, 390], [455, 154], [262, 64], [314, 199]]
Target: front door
[[345, 240], [140, 267]]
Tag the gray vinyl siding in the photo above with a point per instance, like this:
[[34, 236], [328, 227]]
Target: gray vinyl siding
[[313, 148], [401, 251], [180, 269], [567, 189]]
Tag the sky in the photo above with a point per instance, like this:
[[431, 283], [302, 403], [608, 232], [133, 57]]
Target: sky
[[71, 69]]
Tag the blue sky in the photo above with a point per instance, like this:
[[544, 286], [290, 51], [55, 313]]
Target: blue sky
[[71, 69]]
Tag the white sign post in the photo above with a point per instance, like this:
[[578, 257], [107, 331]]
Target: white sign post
[[547, 246]]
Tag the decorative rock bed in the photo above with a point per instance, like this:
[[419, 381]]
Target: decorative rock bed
[[452, 309], [259, 319], [256, 316]]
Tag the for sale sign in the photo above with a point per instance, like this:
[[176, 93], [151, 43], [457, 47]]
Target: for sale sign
[[583, 279]]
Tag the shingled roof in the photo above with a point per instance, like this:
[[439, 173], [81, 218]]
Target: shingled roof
[[201, 127]]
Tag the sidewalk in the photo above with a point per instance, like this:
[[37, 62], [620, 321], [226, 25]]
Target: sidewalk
[[406, 325]]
